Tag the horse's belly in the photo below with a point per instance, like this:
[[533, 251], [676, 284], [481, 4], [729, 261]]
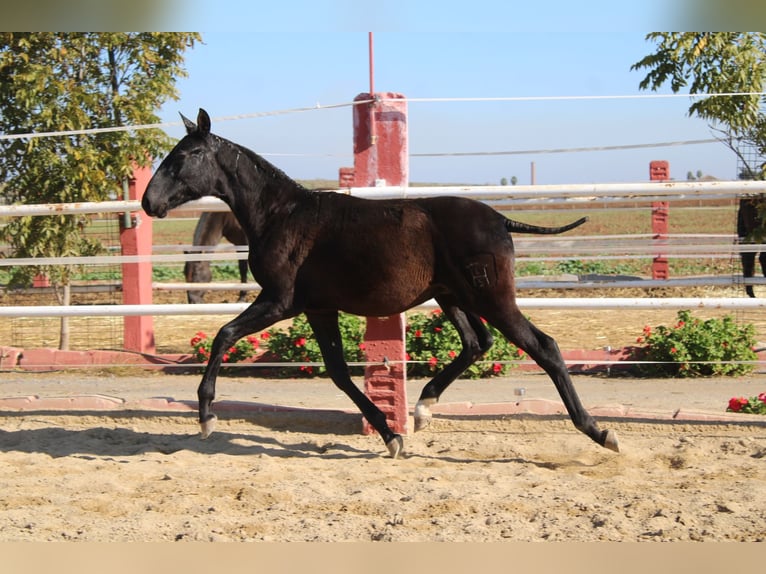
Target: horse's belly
[[372, 300]]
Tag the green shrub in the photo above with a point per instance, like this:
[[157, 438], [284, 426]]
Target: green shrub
[[241, 350], [432, 342], [298, 344], [693, 348]]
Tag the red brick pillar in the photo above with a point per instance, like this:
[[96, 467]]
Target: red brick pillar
[[381, 158], [660, 171], [138, 332]]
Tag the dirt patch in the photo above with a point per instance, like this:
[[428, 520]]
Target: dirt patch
[[282, 477]]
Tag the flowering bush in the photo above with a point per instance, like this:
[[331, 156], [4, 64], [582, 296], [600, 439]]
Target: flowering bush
[[298, 344], [753, 405], [432, 342], [693, 347], [242, 349]]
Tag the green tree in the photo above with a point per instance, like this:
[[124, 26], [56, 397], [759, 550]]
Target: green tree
[[719, 63], [716, 63], [51, 82]]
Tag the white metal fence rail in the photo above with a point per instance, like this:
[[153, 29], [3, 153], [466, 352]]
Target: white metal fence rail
[[582, 195]]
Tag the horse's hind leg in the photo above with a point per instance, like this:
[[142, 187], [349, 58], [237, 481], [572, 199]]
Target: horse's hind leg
[[325, 326], [545, 352], [476, 341]]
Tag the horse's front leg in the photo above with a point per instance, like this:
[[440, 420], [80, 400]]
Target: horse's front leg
[[327, 332], [259, 316]]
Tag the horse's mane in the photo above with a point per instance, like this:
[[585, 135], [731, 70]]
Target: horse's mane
[[261, 164]]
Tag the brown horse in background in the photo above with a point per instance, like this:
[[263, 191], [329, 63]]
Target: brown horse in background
[[211, 228], [748, 220]]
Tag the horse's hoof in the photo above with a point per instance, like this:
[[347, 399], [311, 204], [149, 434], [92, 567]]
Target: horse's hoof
[[207, 427], [395, 446], [423, 414], [610, 441], [421, 423]]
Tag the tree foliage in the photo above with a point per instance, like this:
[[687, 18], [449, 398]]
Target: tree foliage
[[716, 63], [52, 82], [65, 82]]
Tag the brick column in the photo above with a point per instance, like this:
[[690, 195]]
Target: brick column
[[138, 332], [381, 158], [660, 171]]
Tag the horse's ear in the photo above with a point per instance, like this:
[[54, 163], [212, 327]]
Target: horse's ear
[[203, 122], [190, 125]]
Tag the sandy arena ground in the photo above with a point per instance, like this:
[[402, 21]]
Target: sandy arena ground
[[311, 476]]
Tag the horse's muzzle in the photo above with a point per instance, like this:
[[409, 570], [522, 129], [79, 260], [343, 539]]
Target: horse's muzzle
[[151, 210]]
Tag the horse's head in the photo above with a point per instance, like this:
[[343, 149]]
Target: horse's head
[[190, 171]]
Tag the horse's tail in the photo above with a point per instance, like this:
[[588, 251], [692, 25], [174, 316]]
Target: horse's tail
[[518, 227]]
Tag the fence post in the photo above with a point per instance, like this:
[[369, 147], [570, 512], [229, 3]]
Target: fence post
[[381, 158], [136, 239], [660, 171]]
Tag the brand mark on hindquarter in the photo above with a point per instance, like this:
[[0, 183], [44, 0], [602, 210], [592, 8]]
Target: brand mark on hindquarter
[[481, 271]]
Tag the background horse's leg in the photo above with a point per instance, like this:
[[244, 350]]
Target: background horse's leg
[[545, 352], [748, 269], [259, 316], [197, 272], [242, 279], [476, 341], [762, 260], [325, 326]]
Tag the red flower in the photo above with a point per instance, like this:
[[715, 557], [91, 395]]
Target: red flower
[[673, 350], [647, 331], [497, 367], [520, 352], [433, 361], [452, 354], [436, 312], [300, 342], [680, 324], [736, 403], [225, 357], [407, 357], [253, 340], [198, 338], [362, 346], [762, 397], [418, 333], [265, 335], [640, 340], [437, 329]]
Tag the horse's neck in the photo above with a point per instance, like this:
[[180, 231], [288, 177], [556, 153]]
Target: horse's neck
[[260, 192]]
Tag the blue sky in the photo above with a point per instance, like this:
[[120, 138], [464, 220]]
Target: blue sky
[[247, 66]]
